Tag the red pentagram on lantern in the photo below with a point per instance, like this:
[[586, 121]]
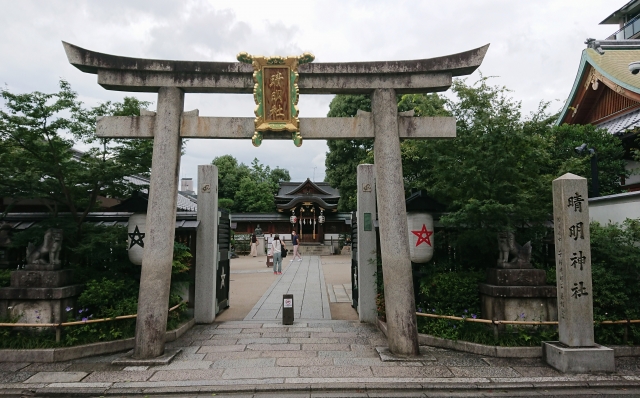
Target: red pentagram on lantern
[[423, 235]]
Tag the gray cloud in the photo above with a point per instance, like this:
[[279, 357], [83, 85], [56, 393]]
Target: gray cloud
[[535, 48]]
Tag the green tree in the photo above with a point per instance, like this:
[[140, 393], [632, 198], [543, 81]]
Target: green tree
[[344, 156], [609, 149], [254, 197], [245, 188], [37, 159]]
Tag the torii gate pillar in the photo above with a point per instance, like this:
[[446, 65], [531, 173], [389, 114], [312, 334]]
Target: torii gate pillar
[[155, 278], [392, 218]]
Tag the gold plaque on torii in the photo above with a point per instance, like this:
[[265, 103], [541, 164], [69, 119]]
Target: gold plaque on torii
[[276, 94]]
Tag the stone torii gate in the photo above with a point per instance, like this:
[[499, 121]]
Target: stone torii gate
[[172, 79]]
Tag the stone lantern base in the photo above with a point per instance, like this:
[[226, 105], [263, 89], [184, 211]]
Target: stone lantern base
[[509, 293], [38, 296]]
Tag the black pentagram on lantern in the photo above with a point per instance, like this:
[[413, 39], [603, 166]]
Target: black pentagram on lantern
[[136, 238]]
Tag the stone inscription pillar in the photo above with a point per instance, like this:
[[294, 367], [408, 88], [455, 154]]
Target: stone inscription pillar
[[207, 245], [392, 219], [367, 310], [573, 261], [576, 352], [155, 278]]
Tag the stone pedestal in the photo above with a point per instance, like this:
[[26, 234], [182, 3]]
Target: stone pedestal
[[578, 359], [39, 296], [260, 246], [509, 293]]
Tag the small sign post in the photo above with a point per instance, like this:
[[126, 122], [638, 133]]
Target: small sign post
[[287, 309]]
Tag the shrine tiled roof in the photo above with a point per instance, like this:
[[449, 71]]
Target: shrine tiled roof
[[610, 59], [621, 124], [185, 202]]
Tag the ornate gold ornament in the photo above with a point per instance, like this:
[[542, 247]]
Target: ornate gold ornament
[[593, 79], [276, 94]]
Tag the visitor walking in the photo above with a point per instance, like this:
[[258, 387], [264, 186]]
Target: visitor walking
[[276, 250], [295, 241], [254, 245]]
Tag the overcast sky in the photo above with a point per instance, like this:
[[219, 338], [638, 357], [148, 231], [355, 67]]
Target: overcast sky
[[535, 49]]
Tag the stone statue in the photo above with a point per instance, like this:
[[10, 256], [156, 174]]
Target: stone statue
[[258, 231], [49, 249], [509, 249]]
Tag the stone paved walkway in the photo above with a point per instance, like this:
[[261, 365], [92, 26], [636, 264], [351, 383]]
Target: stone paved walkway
[[340, 293], [308, 359], [305, 280]]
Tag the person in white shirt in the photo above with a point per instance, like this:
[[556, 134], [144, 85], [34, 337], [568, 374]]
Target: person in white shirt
[[276, 248]]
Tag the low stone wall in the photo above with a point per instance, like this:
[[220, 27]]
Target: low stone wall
[[499, 352], [81, 351]]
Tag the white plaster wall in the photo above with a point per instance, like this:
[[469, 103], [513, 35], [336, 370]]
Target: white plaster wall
[[615, 208]]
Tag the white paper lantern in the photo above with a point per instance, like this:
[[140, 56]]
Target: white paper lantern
[[293, 219], [137, 232], [420, 236]]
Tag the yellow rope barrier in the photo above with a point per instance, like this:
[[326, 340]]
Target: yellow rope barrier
[[55, 325], [533, 323]]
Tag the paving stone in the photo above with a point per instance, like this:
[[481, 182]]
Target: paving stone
[[288, 354], [411, 371], [273, 340], [184, 365], [273, 347], [15, 377], [536, 371], [335, 371], [316, 340], [242, 325], [135, 368], [349, 354], [182, 375], [220, 348], [47, 367], [218, 332], [333, 334], [56, 377], [461, 361], [286, 334], [13, 366], [244, 363], [483, 371], [189, 357], [218, 342], [514, 361], [215, 356], [326, 347], [94, 367], [375, 362], [359, 340], [186, 350], [311, 361], [259, 373], [233, 336], [312, 330], [122, 376]]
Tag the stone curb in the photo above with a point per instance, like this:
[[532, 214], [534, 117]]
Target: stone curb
[[499, 352], [86, 350], [359, 389]]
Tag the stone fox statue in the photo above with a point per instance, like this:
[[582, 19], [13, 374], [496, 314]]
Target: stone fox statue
[[49, 249], [520, 255]]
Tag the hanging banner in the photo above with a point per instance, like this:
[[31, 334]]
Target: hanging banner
[[420, 236]]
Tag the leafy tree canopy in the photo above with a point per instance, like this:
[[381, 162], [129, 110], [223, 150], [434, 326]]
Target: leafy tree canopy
[[37, 159], [248, 189]]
